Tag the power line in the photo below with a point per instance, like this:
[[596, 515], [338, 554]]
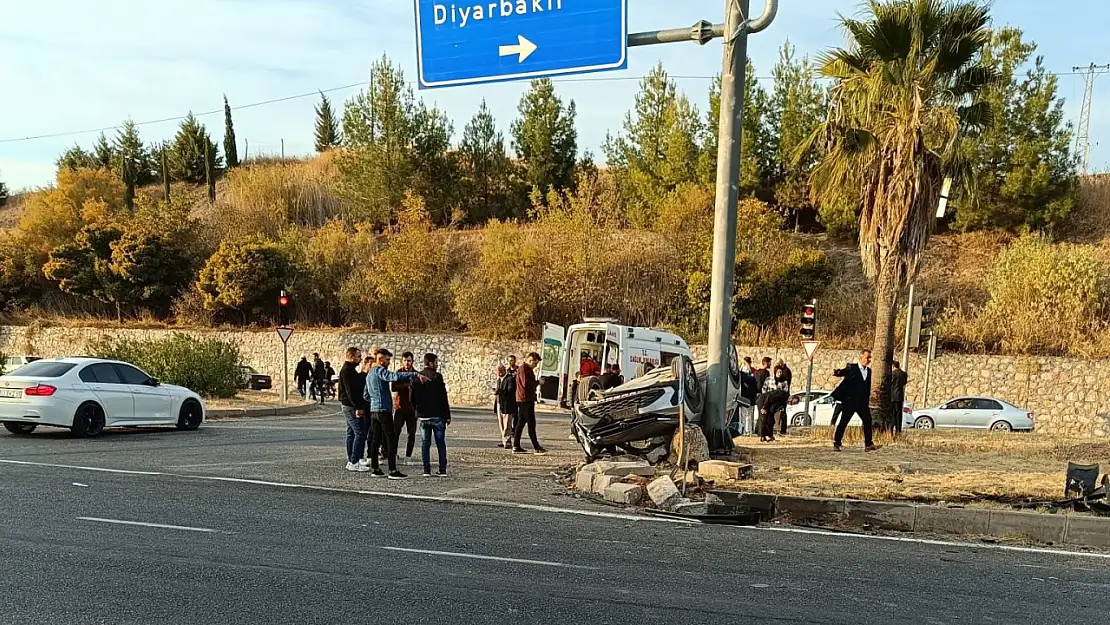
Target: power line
[[71, 133]]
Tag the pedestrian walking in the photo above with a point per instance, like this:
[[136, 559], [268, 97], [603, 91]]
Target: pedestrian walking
[[302, 375], [350, 397], [403, 413], [507, 406], [377, 395], [784, 378], [898, 381], [854, 392], [432, 408], [769, 404], [319, 373], [526, 386]]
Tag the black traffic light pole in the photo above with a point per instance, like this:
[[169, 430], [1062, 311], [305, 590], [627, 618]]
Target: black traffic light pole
[[809, 374]]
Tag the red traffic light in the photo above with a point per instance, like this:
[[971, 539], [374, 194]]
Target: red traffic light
[[283, 301], [808, 311]]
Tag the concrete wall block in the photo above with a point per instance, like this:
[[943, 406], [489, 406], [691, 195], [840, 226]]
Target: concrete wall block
[[620, 469], [882, 515], [1045, 528], [584, 482], [963, 521], [719, 470], [602, 482], [1088, 530], [810, 509], [663, 493], [628, 494], [728, 502]]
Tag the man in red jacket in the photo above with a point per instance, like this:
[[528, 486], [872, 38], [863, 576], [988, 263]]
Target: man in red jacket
[[526, 386]]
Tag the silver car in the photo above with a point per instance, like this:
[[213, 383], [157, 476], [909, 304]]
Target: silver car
[[972, 413]]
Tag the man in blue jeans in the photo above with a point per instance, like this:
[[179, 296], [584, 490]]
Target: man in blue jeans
[[377, 393], [429, 400], [354, 409]]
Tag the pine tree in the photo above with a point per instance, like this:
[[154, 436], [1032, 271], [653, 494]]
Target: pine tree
[[757, 154], [544, 137], [435, 167], [231, 150], [796, 109], [487, 169], [102, 153], [190, 145], [327, 126], [131, 161], [1025, 173]]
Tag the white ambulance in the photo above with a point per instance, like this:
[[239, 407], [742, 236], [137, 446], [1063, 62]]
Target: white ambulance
[[574, 357]]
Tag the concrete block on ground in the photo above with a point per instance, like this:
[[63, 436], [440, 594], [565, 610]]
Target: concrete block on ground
[[620, 469], [882, 515], [602, 482], [963, 521], [728, 502], [658, 454], [697, 448], [585, 481], [720, 470], [1045, 528], [629, 494], [699, 508], [1088, 530], [663, 493], [810, 509]]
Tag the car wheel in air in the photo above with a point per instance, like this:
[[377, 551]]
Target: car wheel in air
[[1001, 426], [924, 423], [20, 429], [190, 416], [88, 422]]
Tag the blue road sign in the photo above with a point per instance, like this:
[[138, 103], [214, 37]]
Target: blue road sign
[[468, 42]]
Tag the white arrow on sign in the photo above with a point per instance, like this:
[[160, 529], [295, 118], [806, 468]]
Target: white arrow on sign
[[810, 347], [523, 47], [285, 333]]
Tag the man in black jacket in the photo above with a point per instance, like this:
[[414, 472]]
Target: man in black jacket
[[854, 393], [898, 380], [302, 375], [354, 409], [429, 400], [319, 374], [506, 406]]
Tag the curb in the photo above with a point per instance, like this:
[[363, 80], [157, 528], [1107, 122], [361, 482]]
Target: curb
[[1050, 529], [282, 411]]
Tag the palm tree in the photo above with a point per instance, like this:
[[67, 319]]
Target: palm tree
[[907, 87]]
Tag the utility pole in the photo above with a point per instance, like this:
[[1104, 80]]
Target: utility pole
[[209, 176], [737, 28], [909, 329], [1083, 130], [165, 176]]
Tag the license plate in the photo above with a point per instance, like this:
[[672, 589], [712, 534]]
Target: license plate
[[11, 393]]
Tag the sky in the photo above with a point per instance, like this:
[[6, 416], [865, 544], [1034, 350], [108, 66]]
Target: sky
[[74, 65]]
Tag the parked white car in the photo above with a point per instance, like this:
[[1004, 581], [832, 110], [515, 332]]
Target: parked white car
[[87, 395], [821, 406], [974, 413], [11, 363]]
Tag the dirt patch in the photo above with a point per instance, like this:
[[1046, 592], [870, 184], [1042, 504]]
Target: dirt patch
[[252, 399], [928, 467]]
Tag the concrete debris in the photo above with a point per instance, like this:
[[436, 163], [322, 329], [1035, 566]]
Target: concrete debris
[[697, 448], [603, 482], [664, 493], [620, 469], [724, 470], [658, 454], [628, 494], [585, 481], [697, 508]]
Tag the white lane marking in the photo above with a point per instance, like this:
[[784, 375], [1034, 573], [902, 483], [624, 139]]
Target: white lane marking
[[474, 556], [160, 526], [556, 510], [328, 458], [391, 495]]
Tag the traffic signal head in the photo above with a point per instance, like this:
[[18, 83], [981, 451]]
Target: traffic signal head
[[928, 319], [809, 322], [283, 309]]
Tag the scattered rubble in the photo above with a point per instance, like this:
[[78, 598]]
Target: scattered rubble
[[697, 448], [664, 493], [724, 470], [620, 469], [628, 494]]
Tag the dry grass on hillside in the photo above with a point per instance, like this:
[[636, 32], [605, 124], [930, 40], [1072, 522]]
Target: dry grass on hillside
[[953, 467]]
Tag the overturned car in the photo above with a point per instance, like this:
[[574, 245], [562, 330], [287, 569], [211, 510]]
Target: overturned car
[[643, 415]]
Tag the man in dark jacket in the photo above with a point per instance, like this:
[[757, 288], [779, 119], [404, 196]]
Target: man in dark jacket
[[302, 375], [769, 404], [349, 393], [403, 414], [506, 406], [526, 386], [854, 393], [898, 380], [380, 399], [429, 401], [319, 375]]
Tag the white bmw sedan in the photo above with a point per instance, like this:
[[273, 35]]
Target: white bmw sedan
[[87, 395]]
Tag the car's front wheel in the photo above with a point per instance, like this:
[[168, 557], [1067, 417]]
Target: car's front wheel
[[799, 420], [924, 423], [89, 421], [1002, 426], [20, 429], [190, 416]]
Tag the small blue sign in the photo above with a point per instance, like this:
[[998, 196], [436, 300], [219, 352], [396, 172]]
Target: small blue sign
[[469, 42]]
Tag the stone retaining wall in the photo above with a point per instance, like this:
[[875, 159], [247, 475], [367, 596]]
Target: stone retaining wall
[[1067, 396]]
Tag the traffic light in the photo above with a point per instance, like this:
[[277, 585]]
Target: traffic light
[[922, 319], [928, 319], [283, 309], [809, 322]]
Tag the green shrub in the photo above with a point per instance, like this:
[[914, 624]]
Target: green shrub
[[209, 367]]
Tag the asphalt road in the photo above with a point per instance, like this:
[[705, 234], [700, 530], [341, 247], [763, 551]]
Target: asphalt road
[[87, 535]]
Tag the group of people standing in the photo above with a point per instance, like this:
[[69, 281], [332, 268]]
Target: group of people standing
[[314, 379], [378, 403], [767, 391], [515, 403]]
